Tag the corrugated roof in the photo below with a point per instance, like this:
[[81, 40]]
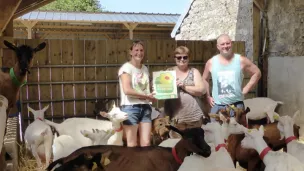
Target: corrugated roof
[[153, 18]]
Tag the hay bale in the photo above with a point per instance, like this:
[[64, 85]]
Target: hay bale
[[27, 162]]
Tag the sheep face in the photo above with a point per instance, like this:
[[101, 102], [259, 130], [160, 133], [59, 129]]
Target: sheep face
[[251, 135], [285, 124], [24, 55], [98, 137], [115, 114], [38, 114], [194, 140]]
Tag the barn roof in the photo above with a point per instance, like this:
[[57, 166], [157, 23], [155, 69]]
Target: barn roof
[[102, 17]]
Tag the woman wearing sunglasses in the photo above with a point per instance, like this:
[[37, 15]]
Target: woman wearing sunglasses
[[187, 109]]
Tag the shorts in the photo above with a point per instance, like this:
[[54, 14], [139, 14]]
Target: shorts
[[137, 113], [215, 109]]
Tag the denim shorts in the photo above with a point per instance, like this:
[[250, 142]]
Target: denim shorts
[[215, 109], [137, 113]]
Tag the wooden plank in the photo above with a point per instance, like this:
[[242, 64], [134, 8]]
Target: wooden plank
[[123, 47], [68, 75], [90, 72], [101, 54], [8, 9], [111, 72], [55, 59], [79, 75]]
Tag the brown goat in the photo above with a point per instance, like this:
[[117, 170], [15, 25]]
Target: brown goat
[[10, 86], [151, 158], [249, 158]]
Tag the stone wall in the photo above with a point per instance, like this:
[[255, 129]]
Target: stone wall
[[206, 20], [286, 56], [286, 27]]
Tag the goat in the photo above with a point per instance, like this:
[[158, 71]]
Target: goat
[[219, 158], [285, 126], [73, 126], [3, 116], [152, 158], [10, 83], [249, 158], [39, 133], [64, 145], [261, 107], [273, 160]]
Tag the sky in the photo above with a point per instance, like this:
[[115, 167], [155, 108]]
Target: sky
[[148, 6]]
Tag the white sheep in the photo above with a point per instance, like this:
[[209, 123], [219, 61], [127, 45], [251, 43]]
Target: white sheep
[[273, 160], [38, 133], [285, 126], [3, 118], [261, 107], [73, 126]]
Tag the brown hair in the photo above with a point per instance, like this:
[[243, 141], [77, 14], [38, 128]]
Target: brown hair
[[137, 42], [181, 50]]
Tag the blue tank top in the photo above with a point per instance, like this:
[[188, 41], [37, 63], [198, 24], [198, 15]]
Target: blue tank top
[[227, 81]]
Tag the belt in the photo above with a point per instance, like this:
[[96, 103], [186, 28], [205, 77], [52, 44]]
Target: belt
[[236, 103], [136, 105]]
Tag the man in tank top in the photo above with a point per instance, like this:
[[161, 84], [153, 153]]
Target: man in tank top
[[226, 70]]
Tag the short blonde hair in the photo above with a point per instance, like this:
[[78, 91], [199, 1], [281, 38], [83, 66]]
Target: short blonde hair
[[181, 50]]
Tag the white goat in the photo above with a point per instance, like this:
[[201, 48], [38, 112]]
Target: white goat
[[261, 107], [273, 160], [64, 145], [98, 137], [3, 118], [285, 126], [73, 126], [220, 158], [38, 133]]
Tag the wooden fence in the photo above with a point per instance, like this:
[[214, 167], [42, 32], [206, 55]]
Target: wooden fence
[[69, 75]]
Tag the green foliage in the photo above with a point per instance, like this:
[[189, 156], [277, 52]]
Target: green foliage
[[73, 5]]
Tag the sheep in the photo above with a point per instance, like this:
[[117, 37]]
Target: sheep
[[150, 158], [9, 85], [261, 107], [273, 160], [73, 126], [285, 126], [38, 133], [64, 145]]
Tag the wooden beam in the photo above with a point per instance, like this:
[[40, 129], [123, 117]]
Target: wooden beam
[[260, 4], [30, 5], [40, 26], [7, 8], [29, 25], [131, 27]]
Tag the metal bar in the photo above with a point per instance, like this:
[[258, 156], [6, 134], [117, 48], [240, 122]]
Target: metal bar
[[107, 65], [68, 100], [72, 82], [62, 117]]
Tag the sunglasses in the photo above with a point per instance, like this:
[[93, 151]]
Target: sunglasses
[[180, 57]]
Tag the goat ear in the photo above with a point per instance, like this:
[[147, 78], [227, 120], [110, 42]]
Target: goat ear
[[30, 109], [104, 114], [45, 108], [10, 45], [170, 127], [261, 129], [247, 110], [295, 115], [40, 47]]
